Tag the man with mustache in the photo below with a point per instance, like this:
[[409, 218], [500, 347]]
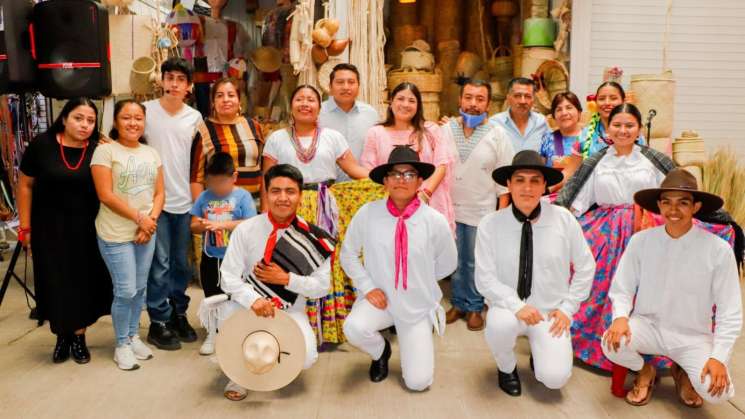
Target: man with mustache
[[481, 147], [344, 113], [524, 127]]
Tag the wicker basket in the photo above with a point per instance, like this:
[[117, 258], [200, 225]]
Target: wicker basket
[[403, 36], [415, 59], [468, 64], [533, 58], [689, 149], [656, 91], [501, 63], [431, 106], [427, 82], [139, 80]]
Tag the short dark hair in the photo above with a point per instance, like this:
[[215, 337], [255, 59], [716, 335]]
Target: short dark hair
[[344, 66], [569, 97], [523, 81], [477, 83], [221, 164], [283, 170], [174, 64]]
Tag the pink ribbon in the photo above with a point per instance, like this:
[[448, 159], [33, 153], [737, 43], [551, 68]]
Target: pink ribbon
[[401, 239]]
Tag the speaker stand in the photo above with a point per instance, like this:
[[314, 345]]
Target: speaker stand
[[10, 273]]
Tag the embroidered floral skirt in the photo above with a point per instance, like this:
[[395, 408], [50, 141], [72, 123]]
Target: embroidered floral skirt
[[608, 230], [327, 314]]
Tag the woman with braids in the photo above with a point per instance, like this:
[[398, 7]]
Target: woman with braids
[[595, 135], [601, 194]]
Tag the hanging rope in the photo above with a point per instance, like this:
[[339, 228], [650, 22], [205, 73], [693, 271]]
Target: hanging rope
[[666, 35], [301, 42], [367, 34]]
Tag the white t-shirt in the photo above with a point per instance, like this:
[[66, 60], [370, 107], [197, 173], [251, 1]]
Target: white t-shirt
[[171, 136], [331, 146], [134, 172]]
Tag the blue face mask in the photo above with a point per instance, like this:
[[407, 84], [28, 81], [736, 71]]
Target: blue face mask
[[472, 121]]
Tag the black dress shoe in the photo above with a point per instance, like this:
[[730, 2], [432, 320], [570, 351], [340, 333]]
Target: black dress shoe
[[379, 368], [61, 349], [79, 349], [163, 337], [510, 383], [183, 329]]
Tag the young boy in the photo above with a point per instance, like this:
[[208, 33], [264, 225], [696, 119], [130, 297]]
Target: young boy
[[217, 212]]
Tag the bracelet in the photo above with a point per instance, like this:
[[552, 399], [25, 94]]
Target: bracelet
[[426, 192]]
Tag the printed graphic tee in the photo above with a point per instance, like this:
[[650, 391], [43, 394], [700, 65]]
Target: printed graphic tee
[[238, 205]]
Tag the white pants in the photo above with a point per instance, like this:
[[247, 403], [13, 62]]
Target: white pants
[[552, 356], [415, 343], [646, 339], [297, 313]]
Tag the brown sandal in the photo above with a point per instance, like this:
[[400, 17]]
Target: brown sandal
[[676, 372], [637, 388]]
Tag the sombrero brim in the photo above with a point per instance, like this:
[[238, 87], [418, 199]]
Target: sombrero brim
[[425, 170], [229, 349], [647, 199], [502, 174]]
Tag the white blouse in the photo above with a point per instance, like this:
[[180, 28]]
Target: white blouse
[[616, 179], [331, 147]]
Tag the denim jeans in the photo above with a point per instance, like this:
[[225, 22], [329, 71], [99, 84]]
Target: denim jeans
[[170, 272], [129, 265], [464, 296]]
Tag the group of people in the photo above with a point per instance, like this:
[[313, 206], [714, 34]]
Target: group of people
[[533, 225]]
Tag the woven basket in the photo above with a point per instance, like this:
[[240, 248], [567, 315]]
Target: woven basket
[[689, 149], [554, 79], [431, 106], [533, 58], [656, 91], [139, 79], [324, 73], [501, 63], [468, 64], [414, 59], [426, 82], [130, 38], [403, 36], [448, 20]]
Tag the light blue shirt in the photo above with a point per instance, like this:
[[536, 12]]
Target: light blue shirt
[[353, 125], [534, 132]]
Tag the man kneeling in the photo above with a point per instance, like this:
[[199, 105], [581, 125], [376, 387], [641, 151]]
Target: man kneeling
[[677, 272], [525, 254], [276, 260]]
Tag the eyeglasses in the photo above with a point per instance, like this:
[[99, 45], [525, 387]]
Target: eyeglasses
[[407, 176]]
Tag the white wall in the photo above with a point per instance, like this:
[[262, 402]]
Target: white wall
[[706, 53]]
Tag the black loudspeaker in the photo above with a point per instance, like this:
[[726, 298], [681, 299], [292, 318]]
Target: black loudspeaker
[[70, 41], [17, 67]]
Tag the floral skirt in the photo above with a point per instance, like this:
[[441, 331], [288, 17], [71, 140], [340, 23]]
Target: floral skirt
[[608, 231], [327, 314]]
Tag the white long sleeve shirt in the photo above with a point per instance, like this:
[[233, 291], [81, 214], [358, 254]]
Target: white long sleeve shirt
[[676, 282], [432, 256], [474, 192], [616, 179], [246, 249], [558, 243]]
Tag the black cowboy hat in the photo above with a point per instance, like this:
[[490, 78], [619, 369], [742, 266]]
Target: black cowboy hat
[[678, 180], [402, 155], [527, 159]]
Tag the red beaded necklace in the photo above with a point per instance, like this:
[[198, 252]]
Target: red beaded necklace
[[62, 153]]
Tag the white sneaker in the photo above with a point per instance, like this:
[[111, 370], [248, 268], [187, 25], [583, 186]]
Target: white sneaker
[[139, 348], [208, 346], [125, 358]]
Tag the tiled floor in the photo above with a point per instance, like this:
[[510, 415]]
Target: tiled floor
[[183, 384]]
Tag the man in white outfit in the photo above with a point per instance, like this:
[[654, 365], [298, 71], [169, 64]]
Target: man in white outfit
[[276, 260], [534, 268], [667, 282], [402, 291]]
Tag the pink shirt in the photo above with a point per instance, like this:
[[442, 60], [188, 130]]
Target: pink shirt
[[380, 142]]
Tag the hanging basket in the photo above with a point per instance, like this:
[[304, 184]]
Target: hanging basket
[[501, 63], [139, 79], [425, 81], [656, 91]]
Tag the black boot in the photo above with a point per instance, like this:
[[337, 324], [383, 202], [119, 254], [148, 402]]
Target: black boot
[[61, 349], [163, 337], [379, 368], [79, 349], [510, 383], [181, 326]]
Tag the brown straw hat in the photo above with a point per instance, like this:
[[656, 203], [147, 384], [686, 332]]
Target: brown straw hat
[[678, 180], [266, 59], [260, 353]]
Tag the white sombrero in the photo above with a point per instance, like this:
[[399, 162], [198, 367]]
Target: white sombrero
[[260, 353]]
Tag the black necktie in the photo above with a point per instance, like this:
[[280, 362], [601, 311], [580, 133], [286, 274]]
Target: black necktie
[[525, 271]]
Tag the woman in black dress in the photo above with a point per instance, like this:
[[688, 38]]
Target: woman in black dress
[[58, 202]]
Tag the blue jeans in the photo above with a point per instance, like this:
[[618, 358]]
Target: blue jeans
[[464, 296], [170, 273], [128, 264]]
